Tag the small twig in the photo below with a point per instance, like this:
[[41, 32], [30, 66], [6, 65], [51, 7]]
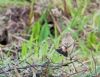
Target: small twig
[[76, 73], [37, 65], [61, 65], [19, 38], [31, 54], [56, 23], [71, 57], [74, 67], [94, 63], [30, 65], [66, 9]]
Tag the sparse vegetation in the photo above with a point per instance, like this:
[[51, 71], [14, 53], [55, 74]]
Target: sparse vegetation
[[36, 29]]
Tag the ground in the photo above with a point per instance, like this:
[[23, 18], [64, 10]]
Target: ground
[[46, 38]]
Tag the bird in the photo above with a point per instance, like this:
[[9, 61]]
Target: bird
[[4, 37], [66, 45]]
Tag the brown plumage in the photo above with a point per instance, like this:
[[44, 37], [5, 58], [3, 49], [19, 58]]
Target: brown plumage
[[66, 46]]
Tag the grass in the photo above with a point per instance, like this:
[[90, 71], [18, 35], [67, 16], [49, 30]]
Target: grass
[[40, 48], [12, 2]]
